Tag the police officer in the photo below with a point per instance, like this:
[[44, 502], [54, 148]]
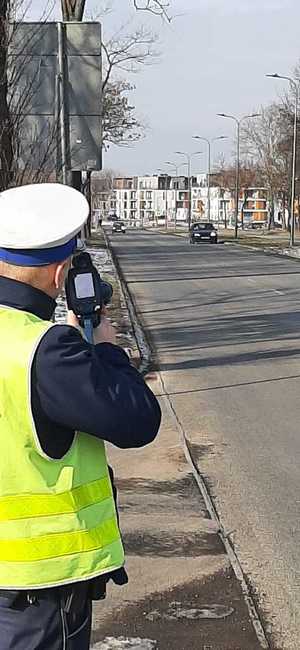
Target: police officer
[[60, 399]]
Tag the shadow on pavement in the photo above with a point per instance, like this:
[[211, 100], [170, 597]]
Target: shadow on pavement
[[172, 619]]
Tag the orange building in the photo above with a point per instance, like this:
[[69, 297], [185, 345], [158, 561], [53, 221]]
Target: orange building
[[255, 206]]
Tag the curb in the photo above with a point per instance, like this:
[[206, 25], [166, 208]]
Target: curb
[[141, 340], [145, 363]]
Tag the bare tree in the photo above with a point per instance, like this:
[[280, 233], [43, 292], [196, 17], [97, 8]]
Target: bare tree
[[74, 9], [157, 7], [124, 53], [102, 190], [27, 153], [225, 175], [6, 149], [120, 124], [267, 140], [128, 52]]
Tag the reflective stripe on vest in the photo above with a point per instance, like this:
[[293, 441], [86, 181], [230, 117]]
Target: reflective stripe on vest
[[58, 522]]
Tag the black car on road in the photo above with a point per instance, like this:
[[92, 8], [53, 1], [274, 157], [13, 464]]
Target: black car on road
[[119, 226], [202, 231]]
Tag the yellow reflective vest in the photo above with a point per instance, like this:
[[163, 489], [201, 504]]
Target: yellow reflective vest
[[58, 521]]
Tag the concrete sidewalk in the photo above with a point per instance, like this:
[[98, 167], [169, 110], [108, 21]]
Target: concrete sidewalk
[[182, 593]]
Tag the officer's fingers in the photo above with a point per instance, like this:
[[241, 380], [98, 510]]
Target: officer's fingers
[[71, 319]]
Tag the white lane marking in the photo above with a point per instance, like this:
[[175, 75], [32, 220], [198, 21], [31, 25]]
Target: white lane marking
[[125, 643], [281, 293]]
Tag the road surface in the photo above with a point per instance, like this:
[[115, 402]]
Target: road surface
[[225, 324]]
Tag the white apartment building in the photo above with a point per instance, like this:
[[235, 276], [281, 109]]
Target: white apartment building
[[147, 197], [151, 199], [221, 211], [144, 199], [126, 197]]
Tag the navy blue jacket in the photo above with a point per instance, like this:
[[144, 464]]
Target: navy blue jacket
[[78, 386]]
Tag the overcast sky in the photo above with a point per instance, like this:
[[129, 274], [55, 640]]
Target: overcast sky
[[214, 58]]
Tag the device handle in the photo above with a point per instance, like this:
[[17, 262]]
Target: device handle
[[88, 330]]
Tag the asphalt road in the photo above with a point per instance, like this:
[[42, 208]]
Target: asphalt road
[[225, 323]]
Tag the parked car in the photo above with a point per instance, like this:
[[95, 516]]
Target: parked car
[[257, 225], [203, 232], [119, 226]]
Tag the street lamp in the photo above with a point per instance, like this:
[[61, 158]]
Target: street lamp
[[237, 187], [161, 171], [295, 85], [176, 167], [189, 157], [209, 143]]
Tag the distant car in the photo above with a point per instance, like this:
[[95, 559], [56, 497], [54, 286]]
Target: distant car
[[119, 226], [203, 232], [257, 225]]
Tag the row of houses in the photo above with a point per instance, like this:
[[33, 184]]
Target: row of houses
[[148, 199]]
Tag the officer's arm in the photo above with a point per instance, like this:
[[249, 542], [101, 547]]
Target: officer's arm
[[94, 389]]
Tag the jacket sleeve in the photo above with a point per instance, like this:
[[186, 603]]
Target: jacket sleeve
[[94, 389]]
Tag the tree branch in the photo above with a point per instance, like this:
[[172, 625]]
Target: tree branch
[[157, 7]]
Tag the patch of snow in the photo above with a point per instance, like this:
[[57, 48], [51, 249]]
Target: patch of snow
[[125, 643]]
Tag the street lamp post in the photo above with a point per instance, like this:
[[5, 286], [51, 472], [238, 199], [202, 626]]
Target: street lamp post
[[295, 85], [189, 157], [237, 184], [209, 143], [166, 196], [176, 167]]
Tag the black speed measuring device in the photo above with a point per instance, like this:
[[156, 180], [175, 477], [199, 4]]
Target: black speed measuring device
[[86, 293]]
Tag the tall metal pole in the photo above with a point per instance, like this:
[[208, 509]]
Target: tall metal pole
[[237, 186], [74, 12], [292, 238], [161, 172], [198, 137], [190, 192], [166, 207], [208, 180], [175, 197], [61, 99], [176, 167], [188, 157], [175, 189]]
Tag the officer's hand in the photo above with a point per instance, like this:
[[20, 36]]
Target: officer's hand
[[72, 320], [105, 332]]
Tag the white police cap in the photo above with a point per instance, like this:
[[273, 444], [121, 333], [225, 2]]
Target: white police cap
[[41, 216]]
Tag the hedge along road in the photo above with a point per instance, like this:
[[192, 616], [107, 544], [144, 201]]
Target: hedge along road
[[225, 325]]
